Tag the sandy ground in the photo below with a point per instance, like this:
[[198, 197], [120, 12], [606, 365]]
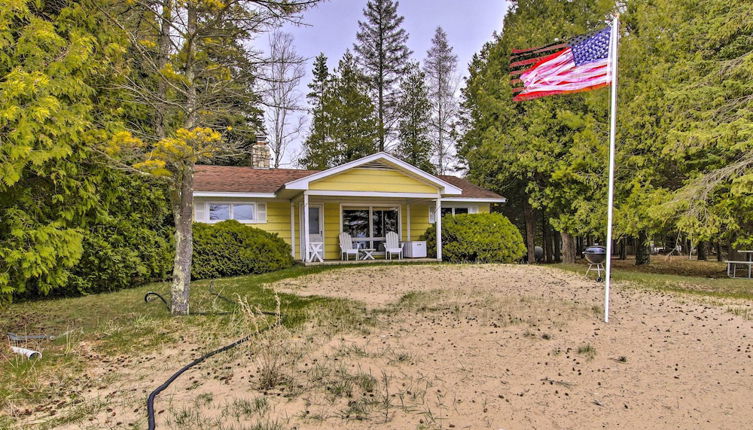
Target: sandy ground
[[488, 346]]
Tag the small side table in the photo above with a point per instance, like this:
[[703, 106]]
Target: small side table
[[367, 253]]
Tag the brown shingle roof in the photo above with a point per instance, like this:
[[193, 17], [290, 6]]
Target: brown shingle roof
[[244, 179], [250, 180], [471, 191]]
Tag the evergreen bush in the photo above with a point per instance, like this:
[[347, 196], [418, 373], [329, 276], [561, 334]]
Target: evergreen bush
[[477, 238], [230, 248]]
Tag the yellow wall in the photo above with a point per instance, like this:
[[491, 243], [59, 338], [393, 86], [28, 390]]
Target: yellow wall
[[278, 221], [376, 180]]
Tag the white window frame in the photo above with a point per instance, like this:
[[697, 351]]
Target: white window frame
[[371, 206], [472, 209], [260, 211]]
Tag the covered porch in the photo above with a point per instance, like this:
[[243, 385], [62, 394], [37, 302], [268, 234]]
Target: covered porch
[[318, 217]]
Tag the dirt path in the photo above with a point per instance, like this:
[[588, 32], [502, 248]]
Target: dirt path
[[488, 346]]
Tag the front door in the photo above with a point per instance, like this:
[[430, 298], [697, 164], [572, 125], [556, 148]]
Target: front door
[[316, 227]]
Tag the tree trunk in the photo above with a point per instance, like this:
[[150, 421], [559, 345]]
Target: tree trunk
[[546, 239], [556, 245], [719, 252], [164, 52], [183, 215], [568, 248], [530, 219], [702, 250], [642, 253], [623, 248]]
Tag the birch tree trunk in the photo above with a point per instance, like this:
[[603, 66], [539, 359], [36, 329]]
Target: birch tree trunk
[[183, 216]]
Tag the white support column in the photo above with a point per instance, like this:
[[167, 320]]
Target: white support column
[[438, 224], [407, 215], [292, 228], [305, 257]]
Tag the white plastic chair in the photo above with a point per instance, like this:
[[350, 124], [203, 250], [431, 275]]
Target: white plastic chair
[[346, 247], [393, 246]]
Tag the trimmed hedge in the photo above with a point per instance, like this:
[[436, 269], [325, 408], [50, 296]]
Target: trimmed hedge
[[230, 248], [477, 238]]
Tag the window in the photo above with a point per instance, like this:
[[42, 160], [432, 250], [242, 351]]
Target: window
[[219, 211], [245, 212], [368, 226], [452, 211]]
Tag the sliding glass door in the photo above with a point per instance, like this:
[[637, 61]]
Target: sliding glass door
[[368, 225]]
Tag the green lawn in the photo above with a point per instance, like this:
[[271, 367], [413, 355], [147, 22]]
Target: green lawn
[[707, 278]]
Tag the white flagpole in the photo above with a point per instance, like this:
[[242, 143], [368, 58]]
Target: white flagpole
[[612, 130]]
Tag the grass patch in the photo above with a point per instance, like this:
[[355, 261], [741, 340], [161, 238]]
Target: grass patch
[[122, 323], [587, 350], [679, 283]]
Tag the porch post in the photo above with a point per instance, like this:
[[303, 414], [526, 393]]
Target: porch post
[[407, 209], [292, 228], [438, 225], [306, 226]]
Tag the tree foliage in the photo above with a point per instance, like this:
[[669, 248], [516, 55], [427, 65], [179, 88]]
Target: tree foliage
[[414, 109], [344, 127], [383, 54]]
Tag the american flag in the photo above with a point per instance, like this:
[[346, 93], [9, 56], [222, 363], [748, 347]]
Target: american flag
[[581, 64]]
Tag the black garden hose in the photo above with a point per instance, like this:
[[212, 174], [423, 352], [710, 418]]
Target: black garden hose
[[150, 399]]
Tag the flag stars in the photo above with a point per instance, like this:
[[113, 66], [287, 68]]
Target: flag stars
[[590, 48]]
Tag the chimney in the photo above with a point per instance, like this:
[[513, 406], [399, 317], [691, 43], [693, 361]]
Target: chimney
[[260, 156]]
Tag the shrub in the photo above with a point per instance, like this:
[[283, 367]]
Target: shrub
[[119, 255], [230, 248], [477, 238]]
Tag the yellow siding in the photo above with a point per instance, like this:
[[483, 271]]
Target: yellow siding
[[376, 180], [278, 216], [419, 220], [484, 208]]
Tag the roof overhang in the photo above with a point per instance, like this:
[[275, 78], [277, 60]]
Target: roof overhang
[[474, 199], [444, 187], [234, 194]]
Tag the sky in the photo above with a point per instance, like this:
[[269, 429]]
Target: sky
[[331, 28]]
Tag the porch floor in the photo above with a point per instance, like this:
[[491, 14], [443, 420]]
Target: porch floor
[[375, 261]]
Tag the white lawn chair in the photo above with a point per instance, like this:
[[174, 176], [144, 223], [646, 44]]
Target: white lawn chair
[[346, 247], [392, 246]]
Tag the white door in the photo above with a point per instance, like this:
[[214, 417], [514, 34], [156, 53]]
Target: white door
[[316, 226]]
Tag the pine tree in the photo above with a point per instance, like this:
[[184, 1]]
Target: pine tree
[[414, 110], [346, 128], [383, 53], [440, 66]]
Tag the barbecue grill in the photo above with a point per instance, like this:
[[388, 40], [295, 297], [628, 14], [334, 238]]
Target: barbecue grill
[[595, 255]]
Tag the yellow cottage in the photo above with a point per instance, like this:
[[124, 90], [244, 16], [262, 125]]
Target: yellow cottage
[[366, 198]]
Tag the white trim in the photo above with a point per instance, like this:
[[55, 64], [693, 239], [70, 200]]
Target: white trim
[[305, 227], [369, 194], [303, 183], [234, 194], [438, 229], [474, 200]]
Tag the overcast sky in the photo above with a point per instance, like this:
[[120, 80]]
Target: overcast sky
[[332, 26]]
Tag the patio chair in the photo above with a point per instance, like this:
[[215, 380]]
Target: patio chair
[[346, 247], [392, 246]]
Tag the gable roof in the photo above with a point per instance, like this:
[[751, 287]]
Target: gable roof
[[234, 180], [383, 158]]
